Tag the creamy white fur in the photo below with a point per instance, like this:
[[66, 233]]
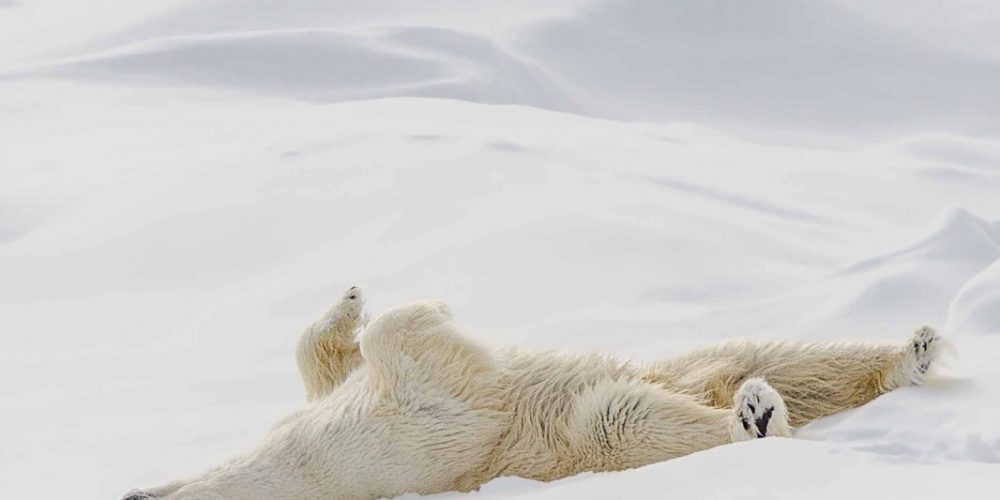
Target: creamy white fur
[[408, 404]]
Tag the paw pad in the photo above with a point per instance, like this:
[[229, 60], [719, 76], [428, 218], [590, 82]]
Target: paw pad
[[760, 411], [924, 348]]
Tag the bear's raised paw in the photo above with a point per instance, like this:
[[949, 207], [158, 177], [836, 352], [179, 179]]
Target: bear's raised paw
[[759, 412]]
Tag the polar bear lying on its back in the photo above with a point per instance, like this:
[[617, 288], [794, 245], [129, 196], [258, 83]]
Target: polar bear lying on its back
[[411, 405]]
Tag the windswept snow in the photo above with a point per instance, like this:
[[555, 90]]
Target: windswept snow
[[183, 189], [325, 65], [827, 70], [772, 63]]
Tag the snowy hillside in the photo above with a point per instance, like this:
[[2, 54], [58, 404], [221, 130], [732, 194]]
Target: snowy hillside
[[184, 187]]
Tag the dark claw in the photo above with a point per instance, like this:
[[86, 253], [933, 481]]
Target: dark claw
[[138, 495]]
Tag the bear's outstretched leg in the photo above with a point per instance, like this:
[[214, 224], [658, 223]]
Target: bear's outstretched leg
[[623, 424], [327, 351], [815, 380], [620, 424]]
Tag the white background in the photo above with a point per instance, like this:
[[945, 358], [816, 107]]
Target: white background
[[185, 185]]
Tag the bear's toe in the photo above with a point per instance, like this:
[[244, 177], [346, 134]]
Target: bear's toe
[[138, 495]]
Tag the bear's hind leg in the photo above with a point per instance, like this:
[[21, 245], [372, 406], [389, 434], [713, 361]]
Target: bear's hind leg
[[814, 379], [328, 351], [625, 424]]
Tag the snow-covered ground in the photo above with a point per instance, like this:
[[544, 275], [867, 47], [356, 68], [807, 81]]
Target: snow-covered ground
[[184, 186]]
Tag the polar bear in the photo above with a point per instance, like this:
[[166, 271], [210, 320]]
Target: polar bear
[[407, 404]]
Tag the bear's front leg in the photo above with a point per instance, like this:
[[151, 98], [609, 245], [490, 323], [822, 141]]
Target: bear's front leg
[[328, 350]]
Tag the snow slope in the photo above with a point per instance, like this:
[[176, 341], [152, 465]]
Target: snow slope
[[183, 188]]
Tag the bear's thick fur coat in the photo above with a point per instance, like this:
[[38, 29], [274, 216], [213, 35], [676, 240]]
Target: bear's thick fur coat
[[406, 404]]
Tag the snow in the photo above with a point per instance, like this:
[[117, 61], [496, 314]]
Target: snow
[[184, 187]]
